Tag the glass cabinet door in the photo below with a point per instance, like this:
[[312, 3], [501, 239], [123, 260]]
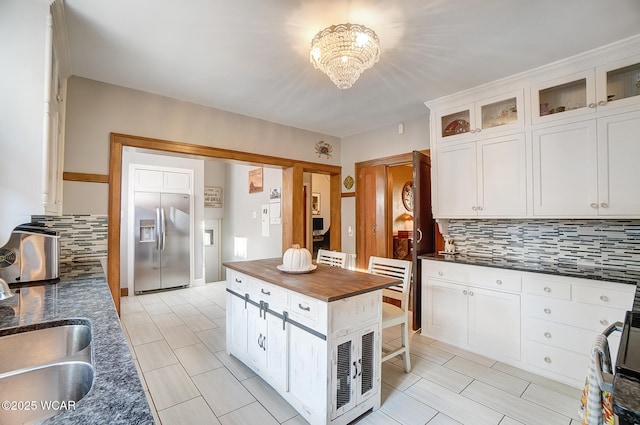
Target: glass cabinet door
[[500, 113], [564, 97], [618, 83], [456, 123]]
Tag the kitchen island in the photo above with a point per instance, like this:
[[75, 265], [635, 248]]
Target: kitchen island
[[116, 396], [314, 337]]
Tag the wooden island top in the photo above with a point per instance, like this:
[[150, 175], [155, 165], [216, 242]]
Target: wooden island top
[[325, 283]]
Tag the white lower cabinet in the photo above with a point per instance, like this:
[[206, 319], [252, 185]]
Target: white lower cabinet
[[323, 358], [553, 320], [354, 371], [484, 320]]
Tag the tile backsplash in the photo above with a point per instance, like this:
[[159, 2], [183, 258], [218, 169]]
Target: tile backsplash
[[82, 237], [609, 243]]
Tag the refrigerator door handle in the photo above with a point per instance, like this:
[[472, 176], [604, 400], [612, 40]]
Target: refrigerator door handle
[[164, 222], [158, 230]]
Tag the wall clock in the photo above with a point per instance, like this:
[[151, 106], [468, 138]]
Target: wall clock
[[407, 195]]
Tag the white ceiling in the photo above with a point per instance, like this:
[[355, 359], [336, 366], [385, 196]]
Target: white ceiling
[[252, 56]]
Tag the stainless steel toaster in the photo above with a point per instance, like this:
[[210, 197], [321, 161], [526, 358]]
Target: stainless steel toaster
[[31, 254]]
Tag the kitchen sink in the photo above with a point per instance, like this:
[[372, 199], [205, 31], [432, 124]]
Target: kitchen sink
[[44, 369], [39, 393], [29, 346]]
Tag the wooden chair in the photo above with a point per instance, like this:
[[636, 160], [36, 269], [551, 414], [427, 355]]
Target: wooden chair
[[393, 315], [332, 258]]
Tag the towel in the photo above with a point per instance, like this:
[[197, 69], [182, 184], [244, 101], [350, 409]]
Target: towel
[[597, 408]]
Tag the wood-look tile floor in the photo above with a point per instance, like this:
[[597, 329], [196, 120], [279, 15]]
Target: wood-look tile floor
[[177, 339]]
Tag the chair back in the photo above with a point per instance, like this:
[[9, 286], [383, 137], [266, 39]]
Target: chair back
[[332, 258], [400, 269]]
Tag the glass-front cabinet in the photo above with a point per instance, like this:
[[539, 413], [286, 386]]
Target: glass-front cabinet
[[492, 115], [613, 85]]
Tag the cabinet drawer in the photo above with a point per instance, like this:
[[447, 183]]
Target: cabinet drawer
[[308, 311], [547, 288], [353, 311], [446, 271], [277, 297], [556, 360], [570, 313], [603, 297], [237, 282], [562, 336], [499, 281]]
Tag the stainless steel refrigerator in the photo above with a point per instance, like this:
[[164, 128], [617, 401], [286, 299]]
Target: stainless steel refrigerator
[[162, 228]]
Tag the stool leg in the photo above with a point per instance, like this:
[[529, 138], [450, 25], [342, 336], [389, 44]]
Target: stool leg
[[405, 343]]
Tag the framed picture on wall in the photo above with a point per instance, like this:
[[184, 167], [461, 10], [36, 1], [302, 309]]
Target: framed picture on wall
[[255, 180], [213, 197], [315, 203]]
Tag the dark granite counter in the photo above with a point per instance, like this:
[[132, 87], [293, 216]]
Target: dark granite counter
[[626, 389], [117, 396]]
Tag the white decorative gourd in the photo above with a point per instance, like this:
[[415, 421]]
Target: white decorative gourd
[[296, 259]]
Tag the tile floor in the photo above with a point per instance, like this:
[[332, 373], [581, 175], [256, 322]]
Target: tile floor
[[177, 339]]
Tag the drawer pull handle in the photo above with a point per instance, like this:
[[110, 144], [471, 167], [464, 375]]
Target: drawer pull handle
[[265, 292], [547, 311], [547, 359], [238, 280], [604, 322], [604, 298], [499, 282], [547, 289], [307, 308], [547, 335]]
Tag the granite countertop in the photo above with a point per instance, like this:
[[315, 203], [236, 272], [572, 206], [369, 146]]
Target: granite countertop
[[345, 283], [626, 389], [117, 396]]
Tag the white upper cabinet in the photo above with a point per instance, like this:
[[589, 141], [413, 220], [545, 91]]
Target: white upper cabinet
[[568, 152], [588, 169], [481, 118], [613, 85], [482, 179]]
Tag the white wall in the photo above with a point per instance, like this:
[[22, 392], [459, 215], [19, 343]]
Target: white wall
[[130, 156], [214, 175], [22, 53], [243, 214], [379, 143]]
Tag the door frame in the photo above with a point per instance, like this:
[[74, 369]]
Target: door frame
[[389, 161], [292, 193]]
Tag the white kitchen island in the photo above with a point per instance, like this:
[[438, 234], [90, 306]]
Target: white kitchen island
[[314, 337]]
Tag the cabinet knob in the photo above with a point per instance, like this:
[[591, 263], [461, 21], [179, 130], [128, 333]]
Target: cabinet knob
[[474, 208], [499, 282], [547, 335], [547, 359], [440, 273], [592, 105], [547, 289], [604, 298], [604, 205], [478, 130], [602, 103], [479, 207], [547, 311], [471, 293], [604, 322], [465, 292], [594, 205], [472, 131]]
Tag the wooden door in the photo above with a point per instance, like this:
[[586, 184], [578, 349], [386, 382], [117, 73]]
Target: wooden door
[[423, 227], [371, 204]]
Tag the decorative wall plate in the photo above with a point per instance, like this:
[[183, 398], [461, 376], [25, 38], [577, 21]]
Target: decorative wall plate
[[324, 148], [348, 182], [407, 195]]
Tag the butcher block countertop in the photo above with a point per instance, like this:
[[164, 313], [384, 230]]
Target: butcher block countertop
[[325, 283]]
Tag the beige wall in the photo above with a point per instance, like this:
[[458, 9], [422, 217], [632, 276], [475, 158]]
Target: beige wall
[[96, 109]]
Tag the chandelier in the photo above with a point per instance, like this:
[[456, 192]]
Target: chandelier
[[345, 51]]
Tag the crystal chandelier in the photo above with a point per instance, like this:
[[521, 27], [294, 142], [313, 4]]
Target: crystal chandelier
[[345, 51]]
